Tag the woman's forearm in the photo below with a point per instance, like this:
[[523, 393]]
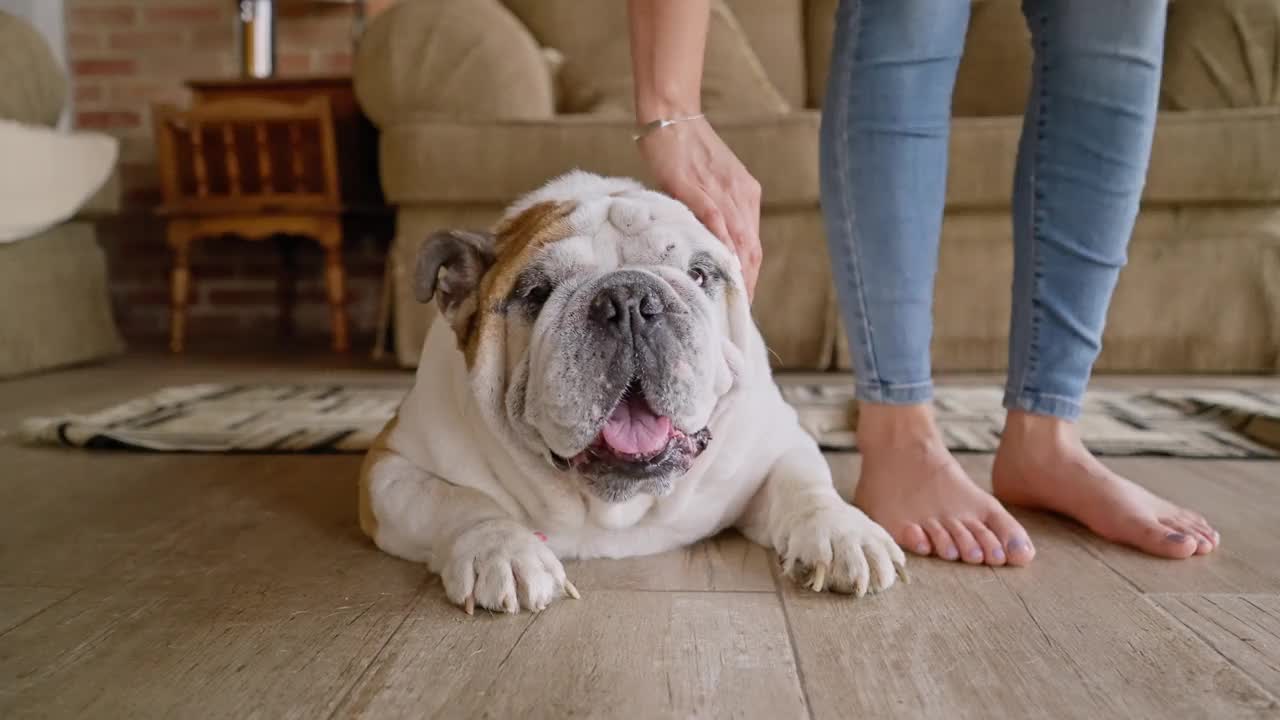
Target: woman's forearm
[[668, 38]]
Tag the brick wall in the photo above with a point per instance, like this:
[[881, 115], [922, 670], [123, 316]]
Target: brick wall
[[126, 55]]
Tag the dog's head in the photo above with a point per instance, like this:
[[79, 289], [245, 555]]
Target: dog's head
[[602, 326]]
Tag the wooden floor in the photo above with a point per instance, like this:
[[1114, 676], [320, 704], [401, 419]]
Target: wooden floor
[[190, 586]]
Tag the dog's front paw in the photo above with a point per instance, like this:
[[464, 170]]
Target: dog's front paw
[[837, 547], [502, 565]]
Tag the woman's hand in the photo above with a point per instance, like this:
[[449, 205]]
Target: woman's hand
[[692, 164]]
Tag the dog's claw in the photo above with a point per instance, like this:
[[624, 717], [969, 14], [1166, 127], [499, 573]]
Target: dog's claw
[[819, 577], [571, 590], [469, 605], [901, 570]]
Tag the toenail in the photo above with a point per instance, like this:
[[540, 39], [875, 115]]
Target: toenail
[[997, 555], [922, 549], [975, 554], [1018, 545], [950, 553], [1176, 537]]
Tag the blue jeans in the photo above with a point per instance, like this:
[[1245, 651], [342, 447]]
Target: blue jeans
[[1082, 162]]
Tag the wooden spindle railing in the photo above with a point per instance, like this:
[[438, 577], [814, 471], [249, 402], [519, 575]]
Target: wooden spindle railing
[[199, 165], [233, 158], [295, 153], [264, 157]]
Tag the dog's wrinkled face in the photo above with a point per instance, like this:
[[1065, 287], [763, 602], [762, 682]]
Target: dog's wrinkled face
[[596, 325]]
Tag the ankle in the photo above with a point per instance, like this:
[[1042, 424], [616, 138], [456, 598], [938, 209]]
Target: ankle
[[1027, 434], [890, 426]]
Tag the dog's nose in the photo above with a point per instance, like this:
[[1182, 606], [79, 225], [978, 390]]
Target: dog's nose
[[626, 307]]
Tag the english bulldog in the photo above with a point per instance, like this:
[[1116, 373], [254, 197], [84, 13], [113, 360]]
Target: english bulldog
[[594, 386]]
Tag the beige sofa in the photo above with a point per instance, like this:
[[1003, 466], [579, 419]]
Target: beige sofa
[[471, 115], [54, 304]]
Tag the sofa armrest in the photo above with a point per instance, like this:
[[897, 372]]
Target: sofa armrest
[[451, 58]]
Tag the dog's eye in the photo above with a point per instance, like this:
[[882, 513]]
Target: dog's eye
[[531, 292], [537, 295], [698, 275]]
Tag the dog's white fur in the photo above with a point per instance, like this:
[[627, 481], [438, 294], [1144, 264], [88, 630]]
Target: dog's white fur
[[440, 488]]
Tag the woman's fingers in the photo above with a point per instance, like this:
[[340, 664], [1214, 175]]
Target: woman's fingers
[[743, 228], [694, 165], [709, 213]]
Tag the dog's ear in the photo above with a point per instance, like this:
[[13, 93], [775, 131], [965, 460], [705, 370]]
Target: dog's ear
[[450, 265]]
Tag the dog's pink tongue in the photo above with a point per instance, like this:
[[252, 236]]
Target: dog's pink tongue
[[634, 429]]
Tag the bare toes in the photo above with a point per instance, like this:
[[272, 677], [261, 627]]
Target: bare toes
[[992, 550], [1204, 541], [943, 546], [1017, 546], [914, 539], [1201, 527], [1160, 539], [970, 550]]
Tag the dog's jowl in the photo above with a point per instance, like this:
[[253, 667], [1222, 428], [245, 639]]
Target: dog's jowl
[[593, 386]]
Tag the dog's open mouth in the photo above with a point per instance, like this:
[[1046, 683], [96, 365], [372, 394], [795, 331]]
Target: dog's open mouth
[[637, 436]]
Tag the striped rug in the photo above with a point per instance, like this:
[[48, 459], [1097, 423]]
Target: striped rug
[[274, 418]]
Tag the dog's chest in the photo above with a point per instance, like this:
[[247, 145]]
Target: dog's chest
[[645, 525]]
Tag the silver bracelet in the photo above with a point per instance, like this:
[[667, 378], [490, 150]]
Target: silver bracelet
[[660, 123]]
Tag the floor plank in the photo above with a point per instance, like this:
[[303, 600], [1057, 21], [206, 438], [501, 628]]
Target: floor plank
[[1238, 497], [153, 585], [611, 654], [727, 563], [1245, 629], [196, 524], [19, 604], [1067, 637], [120, 654]]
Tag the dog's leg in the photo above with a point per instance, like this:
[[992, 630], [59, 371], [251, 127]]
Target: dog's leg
[[484, 556], [823, 542]]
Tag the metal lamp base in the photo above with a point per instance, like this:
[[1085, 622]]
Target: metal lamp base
[[257, 38]]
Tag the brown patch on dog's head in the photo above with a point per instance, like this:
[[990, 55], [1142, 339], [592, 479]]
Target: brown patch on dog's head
[[518, 240], [470, 274]]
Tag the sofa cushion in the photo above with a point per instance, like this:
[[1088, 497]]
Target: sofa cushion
[[451, 58], [1199, 157], [596, 75], [33, 88], [54, 305], [1182, 260], [1224, 156], [819, 33], [997, 45], [431, 162], [107, 200], [1222, 54], [775, 30]]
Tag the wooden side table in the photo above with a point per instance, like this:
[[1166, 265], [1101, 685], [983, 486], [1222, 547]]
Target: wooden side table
[[257, 169], [356, 136], [363, 207]]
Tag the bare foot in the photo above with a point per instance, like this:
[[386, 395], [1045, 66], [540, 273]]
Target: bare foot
[[916, 490], [1043, 464]]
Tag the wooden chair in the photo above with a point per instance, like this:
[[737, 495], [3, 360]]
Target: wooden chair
[[256, 169]]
